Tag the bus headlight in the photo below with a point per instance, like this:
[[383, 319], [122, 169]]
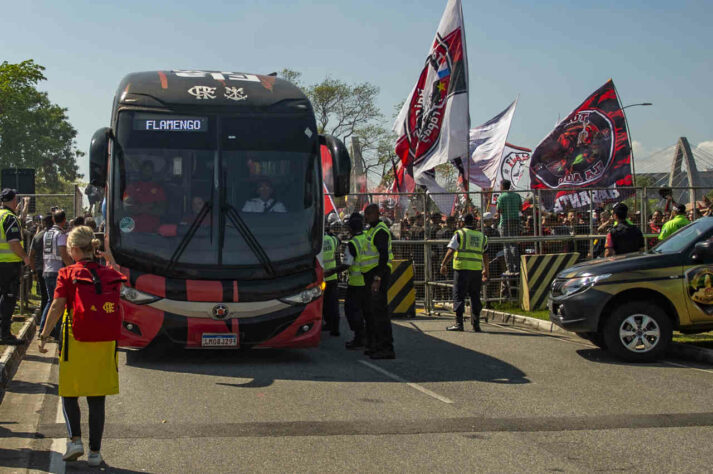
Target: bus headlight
[[304, 297], [132, 295]]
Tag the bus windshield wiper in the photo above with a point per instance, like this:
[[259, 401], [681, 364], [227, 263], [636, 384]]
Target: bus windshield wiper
[[249, 238], [183, 244]]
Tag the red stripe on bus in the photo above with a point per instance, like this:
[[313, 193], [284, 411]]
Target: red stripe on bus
[[203, 290], [152, 284], [164, 81], [235, 291]]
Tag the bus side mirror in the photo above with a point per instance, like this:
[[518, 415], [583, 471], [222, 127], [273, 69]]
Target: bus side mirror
[[98, 157], [341, 164]]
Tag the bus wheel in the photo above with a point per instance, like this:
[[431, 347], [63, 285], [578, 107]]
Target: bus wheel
[[638, 332]]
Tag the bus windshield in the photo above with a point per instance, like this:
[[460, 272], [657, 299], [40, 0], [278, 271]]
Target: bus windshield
[[178, 179]]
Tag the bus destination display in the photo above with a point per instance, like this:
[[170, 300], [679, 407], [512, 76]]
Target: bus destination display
[[163, 123]]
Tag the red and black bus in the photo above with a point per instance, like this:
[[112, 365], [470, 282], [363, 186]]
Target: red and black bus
[[215, 208]]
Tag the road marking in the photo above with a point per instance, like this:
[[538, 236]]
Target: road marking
[[410, 384], [687, 367], [57, 465], [60, 412]]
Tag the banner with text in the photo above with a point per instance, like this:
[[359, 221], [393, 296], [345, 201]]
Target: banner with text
[[588, 149]]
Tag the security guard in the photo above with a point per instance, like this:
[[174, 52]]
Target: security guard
[[377, 273], [356, 300], [12, 255], [678, 221], [624, 237], [470, 269], [330, 308]]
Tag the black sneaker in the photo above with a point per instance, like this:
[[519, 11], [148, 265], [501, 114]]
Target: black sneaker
[[383, 355], [455, 327], [354, 344], [476, 326]]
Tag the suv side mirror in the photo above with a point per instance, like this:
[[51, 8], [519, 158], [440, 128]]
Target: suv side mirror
[[98, 157], [703, 252], [341, 164]]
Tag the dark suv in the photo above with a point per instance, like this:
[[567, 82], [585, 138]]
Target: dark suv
[[631, 304]]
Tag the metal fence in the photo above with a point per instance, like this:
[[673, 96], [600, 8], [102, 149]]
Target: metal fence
[[423, 223]]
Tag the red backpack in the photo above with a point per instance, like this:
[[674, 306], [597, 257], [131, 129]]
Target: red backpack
[[96, 314]]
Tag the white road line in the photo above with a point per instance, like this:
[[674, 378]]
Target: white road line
[[410, 384], [56, 464], [60, 413], [687, 367]]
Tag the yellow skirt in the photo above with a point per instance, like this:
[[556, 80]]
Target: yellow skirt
[[86, 369]]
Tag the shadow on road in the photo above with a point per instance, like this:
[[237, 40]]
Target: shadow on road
[[421, 358], [603, 357]]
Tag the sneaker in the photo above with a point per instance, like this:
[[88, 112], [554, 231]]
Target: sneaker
[[94, 459], [383, 355], [354, 344], [74, 451], [455, 327]]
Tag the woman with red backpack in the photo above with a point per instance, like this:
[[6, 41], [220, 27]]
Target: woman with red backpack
[[90, 328]]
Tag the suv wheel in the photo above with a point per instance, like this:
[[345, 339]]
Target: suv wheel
[[638, 332]]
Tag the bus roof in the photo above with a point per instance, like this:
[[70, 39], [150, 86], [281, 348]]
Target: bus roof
[[204, 88]]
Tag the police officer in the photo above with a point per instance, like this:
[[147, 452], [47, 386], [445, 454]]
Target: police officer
[[355, 302], [470, 269], [624, 237], [12, 255], [330, 308], [377, 273]]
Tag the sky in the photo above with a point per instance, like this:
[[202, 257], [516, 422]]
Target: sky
[[552, 54]]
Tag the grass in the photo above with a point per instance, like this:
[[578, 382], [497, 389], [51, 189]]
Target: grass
[[514, 309], [704, 340]]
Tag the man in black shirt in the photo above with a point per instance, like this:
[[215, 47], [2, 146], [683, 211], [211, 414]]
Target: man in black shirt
[[624, 237], [376, 278]]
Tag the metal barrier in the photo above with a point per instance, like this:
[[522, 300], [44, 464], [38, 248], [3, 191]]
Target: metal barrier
[[421, 239]]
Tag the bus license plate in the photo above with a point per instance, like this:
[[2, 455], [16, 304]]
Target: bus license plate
[[219, 340]]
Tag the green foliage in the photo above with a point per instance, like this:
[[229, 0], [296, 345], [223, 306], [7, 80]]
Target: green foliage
[[35, 133]]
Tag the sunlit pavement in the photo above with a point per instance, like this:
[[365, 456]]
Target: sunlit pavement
[[502, 400]]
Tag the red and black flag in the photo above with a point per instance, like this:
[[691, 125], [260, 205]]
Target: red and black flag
[[588, 149]]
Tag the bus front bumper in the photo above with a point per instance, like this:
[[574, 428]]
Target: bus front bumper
[[264, 324]]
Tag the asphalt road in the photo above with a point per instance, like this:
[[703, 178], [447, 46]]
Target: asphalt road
[[502, 400]]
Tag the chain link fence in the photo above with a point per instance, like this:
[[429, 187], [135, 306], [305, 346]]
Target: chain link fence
[[549, 222]]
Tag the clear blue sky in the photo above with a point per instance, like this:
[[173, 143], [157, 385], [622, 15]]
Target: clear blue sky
[[551, 53]]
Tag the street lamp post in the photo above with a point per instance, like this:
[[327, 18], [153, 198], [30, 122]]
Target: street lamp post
[[633, 168]]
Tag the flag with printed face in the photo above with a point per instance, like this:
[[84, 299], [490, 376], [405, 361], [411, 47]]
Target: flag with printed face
[[486, 148], [514, 166], [588, 149], [433, 123]]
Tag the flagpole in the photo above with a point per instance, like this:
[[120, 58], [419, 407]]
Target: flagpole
[[467, 93]]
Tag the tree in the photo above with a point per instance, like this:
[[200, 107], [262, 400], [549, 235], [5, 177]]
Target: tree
[[34, 132], [349, 110]]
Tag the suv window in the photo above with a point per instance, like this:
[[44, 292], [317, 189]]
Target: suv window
[[684, 237]]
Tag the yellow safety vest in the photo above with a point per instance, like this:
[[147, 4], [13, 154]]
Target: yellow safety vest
[[371, 256], [356, 275], [469, 255], [329, 252], [6, 253]]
